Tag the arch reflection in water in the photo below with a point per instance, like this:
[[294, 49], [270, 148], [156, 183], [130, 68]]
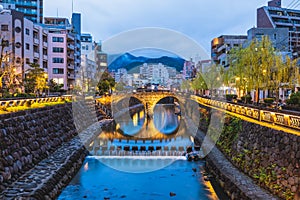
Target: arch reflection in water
[[165, 119], [133, 125]]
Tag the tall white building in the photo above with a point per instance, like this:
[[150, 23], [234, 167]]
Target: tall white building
[[155, 73], [24, 42]]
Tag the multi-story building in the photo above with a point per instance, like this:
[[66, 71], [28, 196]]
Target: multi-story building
[[87, 45], [63, 51], [26, 42], [278, 36], [274, 16], [32, 9], [189, 70], [100, 57], [155, 73], [221, 45], [203, 65]]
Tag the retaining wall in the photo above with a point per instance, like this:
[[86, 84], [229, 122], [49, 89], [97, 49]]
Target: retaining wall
[[270, 157]]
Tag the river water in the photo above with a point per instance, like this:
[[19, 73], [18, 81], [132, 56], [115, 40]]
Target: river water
[[114, 172]]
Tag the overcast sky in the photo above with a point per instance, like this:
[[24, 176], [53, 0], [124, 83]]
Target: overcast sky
[[201, 20]]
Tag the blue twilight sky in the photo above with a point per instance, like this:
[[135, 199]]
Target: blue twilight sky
[[201, 20]]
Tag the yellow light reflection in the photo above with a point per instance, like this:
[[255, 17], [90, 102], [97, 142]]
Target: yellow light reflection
[[92, 143], [86, 166], [135, 119], [212, 195], [142, 114]]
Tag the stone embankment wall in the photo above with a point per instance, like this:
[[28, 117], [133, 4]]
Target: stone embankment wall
[[270, 157], [42, 149], [30, 136]]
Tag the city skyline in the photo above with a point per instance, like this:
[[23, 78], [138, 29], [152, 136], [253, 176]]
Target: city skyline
[[195, 19]]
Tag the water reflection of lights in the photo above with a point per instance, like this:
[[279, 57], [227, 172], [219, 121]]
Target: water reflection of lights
[[142, 114], [135, 119], [86, 166]]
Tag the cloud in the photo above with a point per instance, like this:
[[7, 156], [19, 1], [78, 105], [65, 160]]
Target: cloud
[[200, 19]]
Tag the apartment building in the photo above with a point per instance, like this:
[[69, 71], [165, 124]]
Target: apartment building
[[26, 42], [87, 45], [32, 9], [63, 51], [274, 16], [221, 45], [278, 36]]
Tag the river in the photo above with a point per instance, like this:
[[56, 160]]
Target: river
[[124, 164]]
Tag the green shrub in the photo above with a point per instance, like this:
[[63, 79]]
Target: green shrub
[[246, 98], [24, 95], [230, 97], [294, 99], [7, 95], [269, 100]]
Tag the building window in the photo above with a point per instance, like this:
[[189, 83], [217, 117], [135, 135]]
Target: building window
[[58, 71], [275, 36], [87, 47], [18, 45], [27, 46], [58, 50], [27, 61], [18, 29], [18, 60], [83, 47], [27, 32], [58, 39], [58, 60], [4, 27]]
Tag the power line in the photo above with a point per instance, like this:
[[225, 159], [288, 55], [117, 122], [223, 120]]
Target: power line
[[296, 5], [291, 3]]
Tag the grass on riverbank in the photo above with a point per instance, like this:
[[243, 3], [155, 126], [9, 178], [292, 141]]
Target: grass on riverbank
[[6, 110]]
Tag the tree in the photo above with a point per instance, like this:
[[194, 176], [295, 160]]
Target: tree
[[35, 79], [199, 83], [284, 74], [8, 68], [106, 83], [186, 85], [213, 78], [53, 86], [252, 66]]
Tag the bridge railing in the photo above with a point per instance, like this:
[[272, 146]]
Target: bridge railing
[[22, 102], [272, 117]]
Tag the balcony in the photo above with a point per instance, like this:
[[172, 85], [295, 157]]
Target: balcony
[[71, 46], [71, 37], [71, 76], [70, 66], [287, 24], [70, 56], [30, 4], [45, 44], [36, 41], [36, 54], [45, 57]]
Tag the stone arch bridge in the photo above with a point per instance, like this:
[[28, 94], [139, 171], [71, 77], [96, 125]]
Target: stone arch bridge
[[148, 99]]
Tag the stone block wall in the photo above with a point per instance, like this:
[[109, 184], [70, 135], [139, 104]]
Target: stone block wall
[[270, 157], [27, 137]]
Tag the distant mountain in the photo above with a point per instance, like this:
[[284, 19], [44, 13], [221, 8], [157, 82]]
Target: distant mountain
[[130, 62]]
